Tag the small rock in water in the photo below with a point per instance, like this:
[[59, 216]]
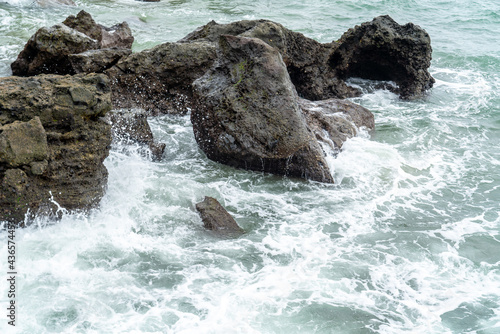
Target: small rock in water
[[217, 219]]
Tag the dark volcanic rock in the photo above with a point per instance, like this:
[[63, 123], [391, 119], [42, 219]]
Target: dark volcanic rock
[[129, 126], [49, 49], [159, 80], [246, 113], [334, 121], [384, 50], [53, 142], [217, 219], [305, 58]]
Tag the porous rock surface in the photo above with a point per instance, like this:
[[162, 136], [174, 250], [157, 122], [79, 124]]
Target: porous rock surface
[[53, 142]]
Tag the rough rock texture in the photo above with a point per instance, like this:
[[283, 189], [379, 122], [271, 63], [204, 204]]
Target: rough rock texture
[[305, 58], [96, 61], [159, 80], [217, 219], [246, 113], [48, 50], [334, 121], [384, 50], [53, 142], [130, 126]]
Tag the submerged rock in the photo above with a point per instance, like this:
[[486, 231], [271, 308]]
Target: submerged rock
[[246, 113], [49, 49], [53, 142], [217, 219], [384, 50]]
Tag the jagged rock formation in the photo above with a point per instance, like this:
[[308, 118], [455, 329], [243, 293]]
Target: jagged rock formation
[[217, 219], [384, 50], [48, 50], [53, 142], [246, 113]]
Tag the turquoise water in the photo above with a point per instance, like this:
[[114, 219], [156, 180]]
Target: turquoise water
[[406, 241]]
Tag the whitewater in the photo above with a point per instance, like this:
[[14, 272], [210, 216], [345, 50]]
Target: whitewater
[[406, 241]]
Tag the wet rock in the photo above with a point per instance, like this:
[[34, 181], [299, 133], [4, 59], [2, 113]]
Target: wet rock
[[384, 50], [49, 49], [159, 80], [217, 219], [53, 142], [246, 113], [96, 61], [130, 126], [334, 121]]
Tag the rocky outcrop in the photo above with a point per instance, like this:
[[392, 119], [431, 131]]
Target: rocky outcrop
[[384, 50], [334, 121], [159, 80], [217, 219], [49, 49], [246, 113], [133, 127], [53, 142], [96, 61]]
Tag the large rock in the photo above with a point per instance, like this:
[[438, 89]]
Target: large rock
[[384, 50], [49, 49], [217, 219], [53, 142], [96, 61], [159, 80], [246, 113]]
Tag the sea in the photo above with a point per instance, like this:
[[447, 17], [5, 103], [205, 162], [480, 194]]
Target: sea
[[407, 240]]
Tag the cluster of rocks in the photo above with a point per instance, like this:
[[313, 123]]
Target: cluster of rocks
[[261, 97]]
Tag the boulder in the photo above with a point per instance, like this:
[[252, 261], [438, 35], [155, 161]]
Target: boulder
[[334, 121], [53, 142], [130, 126], [217, 219], [49, 49], [159, 80], [384, 50], [246, 113]]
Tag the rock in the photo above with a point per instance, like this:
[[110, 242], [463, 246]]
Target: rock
[[159, 80], [384, 50], [334, 121], [246, 113], [117, 36], [53, 142], [129, 126], [217, 219], [96, 61], [49, 50]]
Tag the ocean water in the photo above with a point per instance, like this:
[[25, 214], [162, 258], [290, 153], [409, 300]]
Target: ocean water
[[406, 241]]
